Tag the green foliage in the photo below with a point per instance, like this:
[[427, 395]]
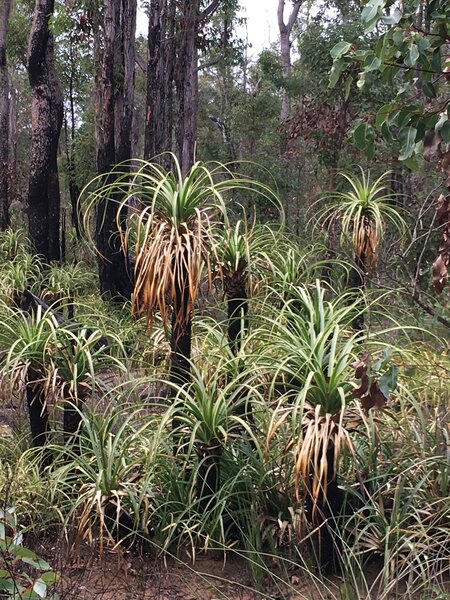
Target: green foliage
[[363, 212], [23, 574], [409, 54]]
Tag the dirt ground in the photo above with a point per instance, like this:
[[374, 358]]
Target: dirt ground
[[127, 576]]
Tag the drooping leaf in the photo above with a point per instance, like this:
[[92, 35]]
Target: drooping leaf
[[340, 49], [40, 587], [359, 135], [408, 137], [335, 73]]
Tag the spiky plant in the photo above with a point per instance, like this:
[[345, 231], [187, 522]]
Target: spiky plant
[[233, 254], [312, 347], [46, 361], [24, 340], [174, 225], [364, 211]]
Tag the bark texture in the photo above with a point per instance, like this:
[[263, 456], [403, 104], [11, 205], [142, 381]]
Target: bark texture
[[187, 85], [115, 93], [285, 30], [5, 9], [46, 119], [160, 78]]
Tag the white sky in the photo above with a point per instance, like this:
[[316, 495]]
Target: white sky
[[261, 23]]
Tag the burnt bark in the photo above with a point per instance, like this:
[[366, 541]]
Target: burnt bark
[[186, 79], [115, 93], [70, 130], [38, 415], [46, 120], [208, 479], [357, 282], [5, 9], [237, 306], [323, 517], [160, 79]]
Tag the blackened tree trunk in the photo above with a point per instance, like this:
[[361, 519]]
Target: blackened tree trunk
[[156, 90], [46, 120], [115, 92], [181, 336], [70, 130], [357, 282], [187, 84], [38, 414], [5, 9], [323, 517]]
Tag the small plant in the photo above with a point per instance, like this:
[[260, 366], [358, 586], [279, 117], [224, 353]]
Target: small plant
[[23, 574]]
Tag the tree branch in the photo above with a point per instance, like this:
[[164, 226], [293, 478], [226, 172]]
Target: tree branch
[[210, 9], [430, 311]]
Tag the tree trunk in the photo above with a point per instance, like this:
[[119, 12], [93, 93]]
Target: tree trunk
[[208, 479], [46, 121], [187, 85], [181, 337], [38, 414], [115, 93], [285, 30], [322, 518], [237, 305], [357, 282], [5, 8], [74, 190]]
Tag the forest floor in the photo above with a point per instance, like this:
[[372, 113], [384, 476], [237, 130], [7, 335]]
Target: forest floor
[[130, 576]]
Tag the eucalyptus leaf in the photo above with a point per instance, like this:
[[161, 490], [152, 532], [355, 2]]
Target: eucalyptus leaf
[[408, 137], [340, 49]]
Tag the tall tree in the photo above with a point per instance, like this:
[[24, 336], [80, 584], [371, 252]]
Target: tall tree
[[174, 34], [46, 119], [5, 9], [160, 75], [285, 30], [186, 78], [115, 93]]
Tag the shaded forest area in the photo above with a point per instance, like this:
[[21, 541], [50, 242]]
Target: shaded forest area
[[224, 314]]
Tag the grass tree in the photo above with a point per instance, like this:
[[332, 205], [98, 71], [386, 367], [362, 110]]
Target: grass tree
[[363, 211], [233, 264], [309, 345], [175, 225], [48, 362]]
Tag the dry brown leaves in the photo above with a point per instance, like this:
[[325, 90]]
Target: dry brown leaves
[[368, 392], [442, 262]]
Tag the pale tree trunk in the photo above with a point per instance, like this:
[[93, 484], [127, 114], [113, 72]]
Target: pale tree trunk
[[285, 30], [5, 9], [46, 121], [114, 103]]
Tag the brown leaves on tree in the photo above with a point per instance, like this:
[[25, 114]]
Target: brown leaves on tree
[[442, 262], [322, 123], [368, 392]]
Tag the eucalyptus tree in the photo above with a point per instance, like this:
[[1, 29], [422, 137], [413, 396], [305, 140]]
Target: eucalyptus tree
[[114, 108], [285, 29], [5, 9], [179, 32], [412, 55], [46, 121]]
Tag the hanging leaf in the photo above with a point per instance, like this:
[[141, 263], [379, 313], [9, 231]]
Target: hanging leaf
[[340, 49], [359, 136], [409, 136]]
